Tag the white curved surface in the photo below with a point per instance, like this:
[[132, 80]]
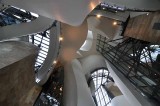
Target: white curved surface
[[92, 62], [120, 101], [43, 73], [88, 42], [70, 86], [76, 91], [99, 26], [17, 30], [73, 12], [84, 97], [38, 25]]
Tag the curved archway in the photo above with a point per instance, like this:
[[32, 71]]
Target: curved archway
[[100, 78]]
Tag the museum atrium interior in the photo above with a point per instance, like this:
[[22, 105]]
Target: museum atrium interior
[[79, 52]]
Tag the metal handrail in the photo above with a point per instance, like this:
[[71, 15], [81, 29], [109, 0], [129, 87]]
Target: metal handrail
[[134, 70]]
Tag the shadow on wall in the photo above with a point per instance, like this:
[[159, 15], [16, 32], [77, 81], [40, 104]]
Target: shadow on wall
[[92, 62], [74, 37]]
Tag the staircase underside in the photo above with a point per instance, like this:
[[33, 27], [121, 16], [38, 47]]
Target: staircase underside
[[145, 27]]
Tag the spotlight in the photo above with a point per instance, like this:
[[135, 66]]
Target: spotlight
[[60, 89], [60, 38], [54, 62], [98, 16], [115, 23]]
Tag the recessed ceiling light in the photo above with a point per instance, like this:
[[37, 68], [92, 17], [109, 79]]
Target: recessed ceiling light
[[60, 38], [54, 62], [115, 23], [98, 15]]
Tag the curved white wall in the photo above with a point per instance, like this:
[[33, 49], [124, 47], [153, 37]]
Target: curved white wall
[[84, 97], [92, 62], [43, 73], [17, 30], [88, 42], [76, 91], [70, 86], [120, 101]]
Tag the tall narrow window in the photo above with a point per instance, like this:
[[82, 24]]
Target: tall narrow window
[[101, 78]]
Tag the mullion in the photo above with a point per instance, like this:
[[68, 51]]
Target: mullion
[[96, 80], [103, 94], [142, 82], [102, 76], [99, 98], [99, 90]]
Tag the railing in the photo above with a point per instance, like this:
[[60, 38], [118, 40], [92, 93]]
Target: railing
[[43, 40], [114, 8], [137, 60]]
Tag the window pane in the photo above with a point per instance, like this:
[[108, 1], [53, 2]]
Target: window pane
[[99, 78]]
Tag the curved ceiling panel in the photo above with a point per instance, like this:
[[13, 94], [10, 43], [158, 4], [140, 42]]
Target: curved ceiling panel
[[17, 30], [88, 42], [74, 37], [72, 12]]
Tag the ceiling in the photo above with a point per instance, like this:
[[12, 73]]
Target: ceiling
[[74, 12]]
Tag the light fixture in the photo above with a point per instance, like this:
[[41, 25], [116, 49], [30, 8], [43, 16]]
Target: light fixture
[[103, 8], [60, 38], [98, 15], [147, 13], [60, 89], [129, 67], [54, 62], [37, 80], [115, 23]]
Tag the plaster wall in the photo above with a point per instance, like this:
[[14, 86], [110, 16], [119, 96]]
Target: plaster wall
[[70, 86], [17, 78], [119, 101], [129, 91], [76, 90], [92, 62]]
